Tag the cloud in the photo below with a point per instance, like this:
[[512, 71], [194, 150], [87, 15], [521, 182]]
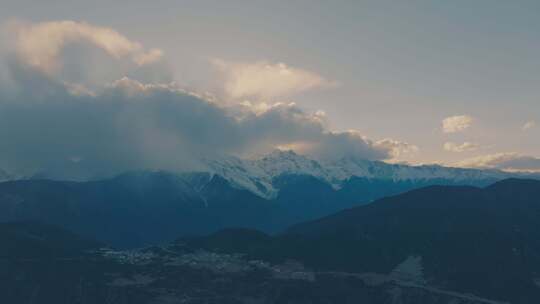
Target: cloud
[[130, 125], [73, 130], [41, 44], [267, 80], [454, 124], [396, 148], [336, 145], [464, 147], [80, 54], [529, 125], [503, 161]]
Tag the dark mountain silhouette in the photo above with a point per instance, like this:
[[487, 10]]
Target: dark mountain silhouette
[[438, 244], [141, 208], [26, 240], [481, 241], [133, 209]]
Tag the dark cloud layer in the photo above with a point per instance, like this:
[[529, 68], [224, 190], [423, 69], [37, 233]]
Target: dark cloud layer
[[130, 125], [74, 127]]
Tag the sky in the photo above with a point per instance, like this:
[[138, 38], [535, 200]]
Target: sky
[[449, 82]]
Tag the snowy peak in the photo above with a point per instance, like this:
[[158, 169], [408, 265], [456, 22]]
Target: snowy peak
[[243, 174], [288, 162], [348, 167], [257, 175]]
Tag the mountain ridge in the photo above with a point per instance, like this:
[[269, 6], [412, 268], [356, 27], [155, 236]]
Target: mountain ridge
[[249, 173], [258, 174]]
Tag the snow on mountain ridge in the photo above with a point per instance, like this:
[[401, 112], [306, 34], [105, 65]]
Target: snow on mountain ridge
[[257, 175], [243, 174], [348, 167], [288, 162]]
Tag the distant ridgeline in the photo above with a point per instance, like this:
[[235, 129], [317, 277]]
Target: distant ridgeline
[[271, 193]]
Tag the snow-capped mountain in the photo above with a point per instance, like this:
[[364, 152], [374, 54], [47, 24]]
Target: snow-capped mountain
[[257, 175], [348, 167], [243, 174], [270, 194]]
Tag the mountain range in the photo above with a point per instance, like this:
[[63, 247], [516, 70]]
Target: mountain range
[[437, 244], [469, 240], [270, 194], [258, 175]]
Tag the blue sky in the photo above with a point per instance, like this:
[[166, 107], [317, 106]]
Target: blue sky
[[388, 69]]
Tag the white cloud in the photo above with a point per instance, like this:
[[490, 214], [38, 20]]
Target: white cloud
[[504, 161], [464, 147], [454, 124], [267, 80], [336, 145], [397, 148], [40, 45], [529, 125], [149, 57]]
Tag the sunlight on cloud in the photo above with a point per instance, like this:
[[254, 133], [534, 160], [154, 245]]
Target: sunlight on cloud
[[511, 161], [333, 145], [464, 147], [40, 44], [456, 124], [397, 148], [267, 80], [131, 125]]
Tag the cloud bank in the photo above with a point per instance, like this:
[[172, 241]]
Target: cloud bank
[[336, 145], [71, 130], [504, 161]]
